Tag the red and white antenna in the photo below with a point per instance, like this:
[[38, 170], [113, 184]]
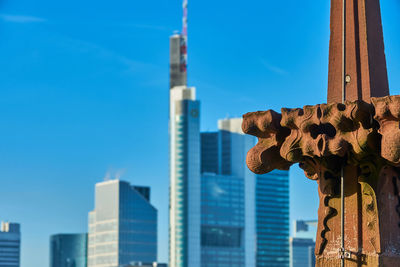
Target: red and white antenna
[[184, 37], [185, 16]]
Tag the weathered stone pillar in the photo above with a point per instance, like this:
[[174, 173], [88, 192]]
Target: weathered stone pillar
[[365, 55], [360, 136]]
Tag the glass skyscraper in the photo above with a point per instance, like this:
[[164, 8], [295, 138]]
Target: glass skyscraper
[[184, 133], [249, 212], [222, 221], [272, 219], [68, 250], [10, 244], [122, 227], [302, 252]]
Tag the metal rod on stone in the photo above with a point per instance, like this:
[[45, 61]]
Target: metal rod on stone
[[342, 196]]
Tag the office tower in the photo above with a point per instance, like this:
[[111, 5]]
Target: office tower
[[68, 250], [302, 252], [228, 202], [302, 245], [184, 127], [141, 264], [222, 221], [255, 205], [209, 152], [10, 244], [272, 219], [122, 227]]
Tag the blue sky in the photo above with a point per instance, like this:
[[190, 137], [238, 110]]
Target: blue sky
[[84, 93]]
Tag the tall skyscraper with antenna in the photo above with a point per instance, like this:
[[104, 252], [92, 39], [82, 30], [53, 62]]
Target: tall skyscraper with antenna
[[184, 132]]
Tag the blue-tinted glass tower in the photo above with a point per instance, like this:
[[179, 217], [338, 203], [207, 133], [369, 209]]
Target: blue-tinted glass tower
[[227, 200], [272, 219], [235, 200], [10, 244], [122, 227], [68, 250], [302, 252], [222, 221], [184, 136]]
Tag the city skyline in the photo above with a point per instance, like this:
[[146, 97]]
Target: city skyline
[[77, 94]]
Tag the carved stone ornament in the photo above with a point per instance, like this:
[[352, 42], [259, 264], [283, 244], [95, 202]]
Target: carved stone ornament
[[363, 136]]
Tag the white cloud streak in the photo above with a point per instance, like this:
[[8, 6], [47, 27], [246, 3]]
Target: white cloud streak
[[273, 68], [21, 18]]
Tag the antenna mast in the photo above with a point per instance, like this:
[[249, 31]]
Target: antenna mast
[[184, 37]]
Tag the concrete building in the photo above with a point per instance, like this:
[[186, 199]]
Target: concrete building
[[252, 210], [122, 227], [10, 244], [68, 250]]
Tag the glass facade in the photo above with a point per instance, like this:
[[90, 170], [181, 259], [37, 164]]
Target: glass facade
[[272, 219], [68, 250], [222, 221], [302, 252], [209, 152], [123, 226], [10, 244], [184, 227], [245, 217]]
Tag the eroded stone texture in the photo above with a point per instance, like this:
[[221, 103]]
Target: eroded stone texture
[[360, 137], [365, 55], [322, 139]]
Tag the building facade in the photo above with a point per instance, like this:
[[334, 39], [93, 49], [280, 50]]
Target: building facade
[[141, 264], [122, 227], [68, 250], [222, 221], [272, 219], [10, 244], [256, 206], [302, 252], [184, 133]]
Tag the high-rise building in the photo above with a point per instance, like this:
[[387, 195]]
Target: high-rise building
[[222, 220], [141, 264], [184, 132], [68, 250], [234, 200], [302, 252], [122, 227], [302, 245], [10, 244], [272, 219]]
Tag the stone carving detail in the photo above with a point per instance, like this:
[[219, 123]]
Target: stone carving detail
[[347, 132], [322, 139], [387, 113]]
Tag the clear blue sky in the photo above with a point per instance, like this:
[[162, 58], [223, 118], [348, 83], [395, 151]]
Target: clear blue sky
[[84, 91]]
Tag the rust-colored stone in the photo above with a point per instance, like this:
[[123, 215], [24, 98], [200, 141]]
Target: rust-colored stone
[[360, 137], [365, 55], [322, 139]]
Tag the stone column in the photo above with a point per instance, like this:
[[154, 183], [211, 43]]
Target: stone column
[[360, 136]]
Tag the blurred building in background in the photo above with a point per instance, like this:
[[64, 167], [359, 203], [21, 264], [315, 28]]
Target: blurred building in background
[[141, 264], [184, 137], [272, 219], [302, 252], [68, 250], [244, 217], [10, 244], [302, 245], [123, 225]]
